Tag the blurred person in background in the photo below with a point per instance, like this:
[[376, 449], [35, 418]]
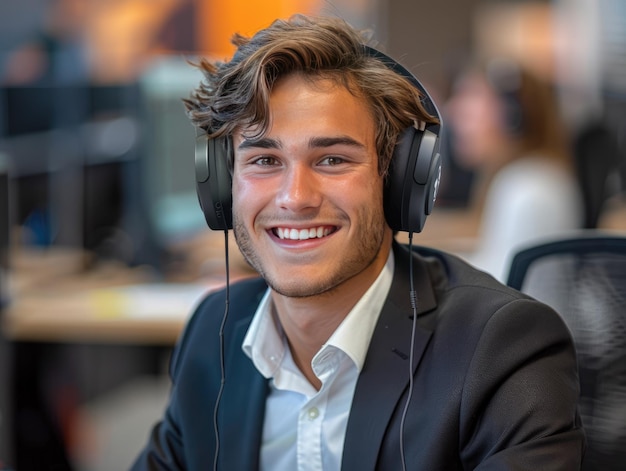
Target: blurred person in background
[[52, 52], [506, 127]]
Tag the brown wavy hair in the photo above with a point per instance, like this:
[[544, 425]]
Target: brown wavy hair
[[236, 93]]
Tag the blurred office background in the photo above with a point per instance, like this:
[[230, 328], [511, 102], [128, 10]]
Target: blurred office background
[[97, 183]]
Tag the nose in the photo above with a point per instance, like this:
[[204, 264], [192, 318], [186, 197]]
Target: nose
[[300, 189]]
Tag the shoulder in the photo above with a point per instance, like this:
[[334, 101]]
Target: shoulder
[[237, 302], [450, 274], [240, 299], [468, 298], [240, 295]]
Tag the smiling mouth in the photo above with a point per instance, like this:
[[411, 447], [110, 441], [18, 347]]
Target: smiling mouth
[[286, 233]]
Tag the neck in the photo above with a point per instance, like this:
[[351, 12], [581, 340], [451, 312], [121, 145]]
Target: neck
[[309, 322]]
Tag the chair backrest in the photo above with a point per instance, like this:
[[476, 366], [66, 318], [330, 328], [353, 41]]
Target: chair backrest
[[583, 278]]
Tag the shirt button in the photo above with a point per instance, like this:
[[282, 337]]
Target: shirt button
[[313, 413]]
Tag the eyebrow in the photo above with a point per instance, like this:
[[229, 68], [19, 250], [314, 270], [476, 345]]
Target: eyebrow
[[270, 143], [262, 143], [333, 141]]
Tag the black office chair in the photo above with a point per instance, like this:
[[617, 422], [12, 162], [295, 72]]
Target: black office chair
[[583, 277]]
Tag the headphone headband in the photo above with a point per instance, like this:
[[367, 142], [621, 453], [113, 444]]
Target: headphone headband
[[427, 102]]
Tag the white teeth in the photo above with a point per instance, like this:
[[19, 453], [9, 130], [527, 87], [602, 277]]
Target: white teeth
[[302, 234]]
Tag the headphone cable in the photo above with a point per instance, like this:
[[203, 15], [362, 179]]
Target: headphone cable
[[222, 354], [413, 296]]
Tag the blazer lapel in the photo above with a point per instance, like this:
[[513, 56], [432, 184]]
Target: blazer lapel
[[242, 407], [387, 364]]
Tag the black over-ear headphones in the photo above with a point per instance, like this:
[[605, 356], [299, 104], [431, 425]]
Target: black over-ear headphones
[[410, 189]]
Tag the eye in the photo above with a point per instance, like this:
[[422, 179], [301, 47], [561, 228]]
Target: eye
[[266, 161], [332, 160]]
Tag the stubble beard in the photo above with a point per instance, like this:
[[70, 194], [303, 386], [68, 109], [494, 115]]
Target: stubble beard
[[370, 238]]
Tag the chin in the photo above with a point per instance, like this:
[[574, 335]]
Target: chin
[[296, 290], [297, 287]]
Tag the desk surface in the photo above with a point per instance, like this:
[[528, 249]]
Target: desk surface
[[53, 298]]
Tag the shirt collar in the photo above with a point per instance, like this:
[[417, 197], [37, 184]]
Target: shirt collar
[[265, 345], [263, 342], [355, 332]]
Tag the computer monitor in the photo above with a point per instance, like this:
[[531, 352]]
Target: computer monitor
[[169, 142]]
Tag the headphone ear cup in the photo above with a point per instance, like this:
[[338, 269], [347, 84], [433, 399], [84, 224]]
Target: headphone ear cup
[[413, 180], [434, 181], [213, 180]]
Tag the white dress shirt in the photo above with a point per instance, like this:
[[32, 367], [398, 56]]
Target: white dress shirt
[[304, 429]]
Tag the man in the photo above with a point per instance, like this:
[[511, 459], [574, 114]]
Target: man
[[348, 352]]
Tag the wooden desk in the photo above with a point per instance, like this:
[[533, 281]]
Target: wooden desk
[[452, 230], [613, 215], [53, 298], [76, 317]]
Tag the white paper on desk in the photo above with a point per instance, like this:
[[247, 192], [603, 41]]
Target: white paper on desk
[[149, 301]]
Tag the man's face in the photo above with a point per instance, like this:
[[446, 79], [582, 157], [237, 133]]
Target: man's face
[[307, 196]]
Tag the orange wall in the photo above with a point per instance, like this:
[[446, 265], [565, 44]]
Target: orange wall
[[218, 20]]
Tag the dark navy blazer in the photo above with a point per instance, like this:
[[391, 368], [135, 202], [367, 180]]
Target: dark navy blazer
[[495, 381]]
